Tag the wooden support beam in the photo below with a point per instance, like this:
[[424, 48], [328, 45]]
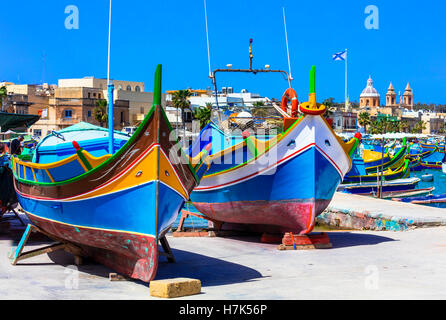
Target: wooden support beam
[[19, 255], [167, 250]]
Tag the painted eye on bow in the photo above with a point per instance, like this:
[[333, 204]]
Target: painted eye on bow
[[139, 174], [327, 143], [167, 173]]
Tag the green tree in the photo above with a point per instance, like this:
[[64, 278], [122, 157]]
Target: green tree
[[364, 120], [203, 114], [329, 103], [419, 127], [180, 100], [100, 112], [3, 95]]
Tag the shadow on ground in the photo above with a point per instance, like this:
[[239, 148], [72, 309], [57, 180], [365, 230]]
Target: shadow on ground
[[211, 271], [348, 239]]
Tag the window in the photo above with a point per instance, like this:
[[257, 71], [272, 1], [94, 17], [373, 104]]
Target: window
[[37, 132], [100, 96], [94, 95], [122, 117], [137, 89], [89, 95], [89, 113], [129, 88], [68, 114]]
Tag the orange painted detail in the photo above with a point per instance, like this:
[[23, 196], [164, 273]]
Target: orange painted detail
[[290, 94], [305, 240]]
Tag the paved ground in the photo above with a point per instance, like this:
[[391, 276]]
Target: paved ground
[[362, 265]]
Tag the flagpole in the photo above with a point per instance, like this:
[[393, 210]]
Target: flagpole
[[110, 88], [346, 83]]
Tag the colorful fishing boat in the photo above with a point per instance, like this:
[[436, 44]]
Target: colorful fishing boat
[[402, 194], [117, 207], [58, 146], [416, 164], [432, 165], [387, 186], [280, 184], [390, 174], [393, 162], [437, 201]]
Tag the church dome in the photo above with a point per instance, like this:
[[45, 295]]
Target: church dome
[[370, 91]]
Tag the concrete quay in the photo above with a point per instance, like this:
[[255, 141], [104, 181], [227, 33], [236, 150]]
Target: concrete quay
[[361, 265], [355, 212]]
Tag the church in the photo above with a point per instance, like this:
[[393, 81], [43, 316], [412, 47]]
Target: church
[[370, 100]]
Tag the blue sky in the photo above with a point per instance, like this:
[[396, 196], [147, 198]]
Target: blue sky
[[408, 47]]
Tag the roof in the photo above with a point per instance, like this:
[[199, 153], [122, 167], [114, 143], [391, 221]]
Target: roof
[[370, 91]]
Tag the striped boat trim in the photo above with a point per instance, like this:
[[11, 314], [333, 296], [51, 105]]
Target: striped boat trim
[[286, 159]]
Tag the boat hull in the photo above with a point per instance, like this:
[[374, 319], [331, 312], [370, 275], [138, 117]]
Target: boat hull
[[118, 211]]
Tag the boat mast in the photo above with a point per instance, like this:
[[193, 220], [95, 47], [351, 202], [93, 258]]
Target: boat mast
[[110, 88], [287, 49]]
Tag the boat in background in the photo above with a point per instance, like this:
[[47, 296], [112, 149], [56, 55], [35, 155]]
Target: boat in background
[[117, 208], [390, 174], [58, 146], [437, 201], [401, 194], [387, 186]]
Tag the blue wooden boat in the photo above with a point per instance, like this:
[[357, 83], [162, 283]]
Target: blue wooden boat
[[58, 146], [437, 201], [117, 207], [279, 184]]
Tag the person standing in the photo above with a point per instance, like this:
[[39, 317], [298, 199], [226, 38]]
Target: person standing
[[16, 146]]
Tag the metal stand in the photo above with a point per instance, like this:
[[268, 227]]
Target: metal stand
[[19, 255]]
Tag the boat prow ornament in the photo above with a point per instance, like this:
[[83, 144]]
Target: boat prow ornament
[[312, 107]]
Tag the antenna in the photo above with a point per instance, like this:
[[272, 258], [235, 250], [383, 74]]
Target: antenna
[[287, 49], [207, 38], [43, 68]]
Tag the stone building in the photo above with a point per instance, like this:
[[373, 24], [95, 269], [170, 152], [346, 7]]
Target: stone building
[[405, 101], [370, 98]]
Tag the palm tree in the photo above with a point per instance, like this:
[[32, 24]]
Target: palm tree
[[3, 94], [404, 125], [203, 114], [180, 101], [364, 120], [419, 127], [100, 112]]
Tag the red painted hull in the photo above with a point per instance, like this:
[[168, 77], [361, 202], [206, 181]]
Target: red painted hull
[[267, 216], [131, 255]]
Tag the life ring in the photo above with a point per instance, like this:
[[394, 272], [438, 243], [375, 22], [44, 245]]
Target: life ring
[[290, 94]]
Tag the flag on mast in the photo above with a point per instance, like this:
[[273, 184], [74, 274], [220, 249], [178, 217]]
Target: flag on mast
[[340, 56]]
